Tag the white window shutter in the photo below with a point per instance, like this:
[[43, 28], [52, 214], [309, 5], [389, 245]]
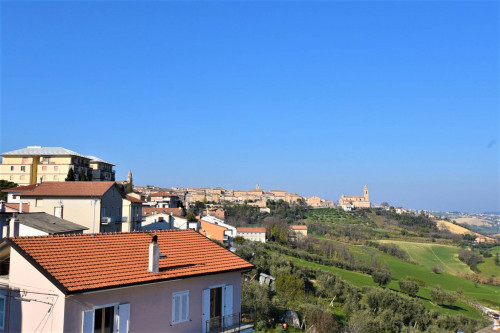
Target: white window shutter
[[228, 304], [205, 316], [123, 318], [88, 321]]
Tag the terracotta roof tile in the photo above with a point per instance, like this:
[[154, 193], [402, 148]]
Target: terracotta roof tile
[[162, 194], [78, 263], [132, 199], [70, 189], [299, 227], [248, 229], [146, 211], [15, 206], [20, 189]]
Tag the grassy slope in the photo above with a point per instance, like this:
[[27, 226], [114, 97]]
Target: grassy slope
[[488, 267], [429, 255], [360, 280]]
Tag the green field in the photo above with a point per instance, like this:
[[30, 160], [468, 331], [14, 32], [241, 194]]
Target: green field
[[360, 280], [488, 267], [429, 255]]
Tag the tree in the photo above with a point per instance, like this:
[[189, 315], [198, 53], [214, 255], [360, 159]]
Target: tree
[[190, 217], [71, 175], [409, 287], [129, 188], [256, 297], [381, 276], [470, 258], [289, 288], [82, 177], [4, 184]]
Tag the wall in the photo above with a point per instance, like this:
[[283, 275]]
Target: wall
[[151, 305], [76, 210], [254, 236], [212, 231], [32, 316], [111, 204]]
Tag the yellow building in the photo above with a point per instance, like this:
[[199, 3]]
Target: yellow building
[[36, 164], [101, 170]]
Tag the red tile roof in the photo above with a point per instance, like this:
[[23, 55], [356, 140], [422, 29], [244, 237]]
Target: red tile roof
[[15, 206], [146, 211], [78, 263], [70, 189], [299, 227], [248, 229], [162, 194], [132, 199], [20, 189]]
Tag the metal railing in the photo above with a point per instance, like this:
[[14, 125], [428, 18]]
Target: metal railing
[[230, 323]]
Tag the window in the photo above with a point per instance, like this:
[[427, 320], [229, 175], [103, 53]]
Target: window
[[25, 160], [2, 312], [23, 168], [11, 177], [44, 168], [22, 177], [11, 168], [56, 168], [107, 319], [180, 307], [56, 177], [38, 202]]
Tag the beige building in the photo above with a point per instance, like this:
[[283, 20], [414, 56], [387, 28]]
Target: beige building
[[254, 234], [101, 170], [314, 201], [356, 201], [95, 205], [36, 164], [299, 230], [131, 213]]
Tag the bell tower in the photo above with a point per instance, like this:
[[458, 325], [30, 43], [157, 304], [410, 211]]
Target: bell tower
[[365, 194]]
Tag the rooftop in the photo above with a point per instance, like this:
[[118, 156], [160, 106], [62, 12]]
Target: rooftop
[[69, 189], [41, 151], [81, 263], [49, 223], [158, 210], [251, 229], [20, 189], [97, 159], [132, 199], [161, 194], [299, 227]]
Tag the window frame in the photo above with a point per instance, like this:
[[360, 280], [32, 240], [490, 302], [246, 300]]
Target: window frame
[[185, 318]]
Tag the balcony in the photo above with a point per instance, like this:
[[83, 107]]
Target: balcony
[[227, 324]]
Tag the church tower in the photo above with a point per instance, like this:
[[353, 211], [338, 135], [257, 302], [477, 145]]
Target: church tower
[[129, 177], [257, 187], [365, 194]]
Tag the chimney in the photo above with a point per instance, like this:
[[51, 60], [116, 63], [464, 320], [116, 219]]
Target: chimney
[[154, 256], [2, 206], [14, 226]]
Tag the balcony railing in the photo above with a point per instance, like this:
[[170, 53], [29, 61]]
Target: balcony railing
[[226, 324]]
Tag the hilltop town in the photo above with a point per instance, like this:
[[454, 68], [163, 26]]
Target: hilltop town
[[234, 260]]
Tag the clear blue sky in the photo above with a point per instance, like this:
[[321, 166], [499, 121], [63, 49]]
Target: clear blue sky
[[316, 98]]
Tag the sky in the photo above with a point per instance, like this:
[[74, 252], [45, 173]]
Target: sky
[[318, 98]]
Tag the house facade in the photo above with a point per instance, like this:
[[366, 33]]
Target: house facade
[[95, 205], [252, 233], [85, 283]]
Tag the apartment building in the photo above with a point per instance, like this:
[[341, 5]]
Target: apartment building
[[36, 164], [101, 170]]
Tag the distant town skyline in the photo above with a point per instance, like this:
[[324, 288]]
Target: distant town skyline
[[315, 98]]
